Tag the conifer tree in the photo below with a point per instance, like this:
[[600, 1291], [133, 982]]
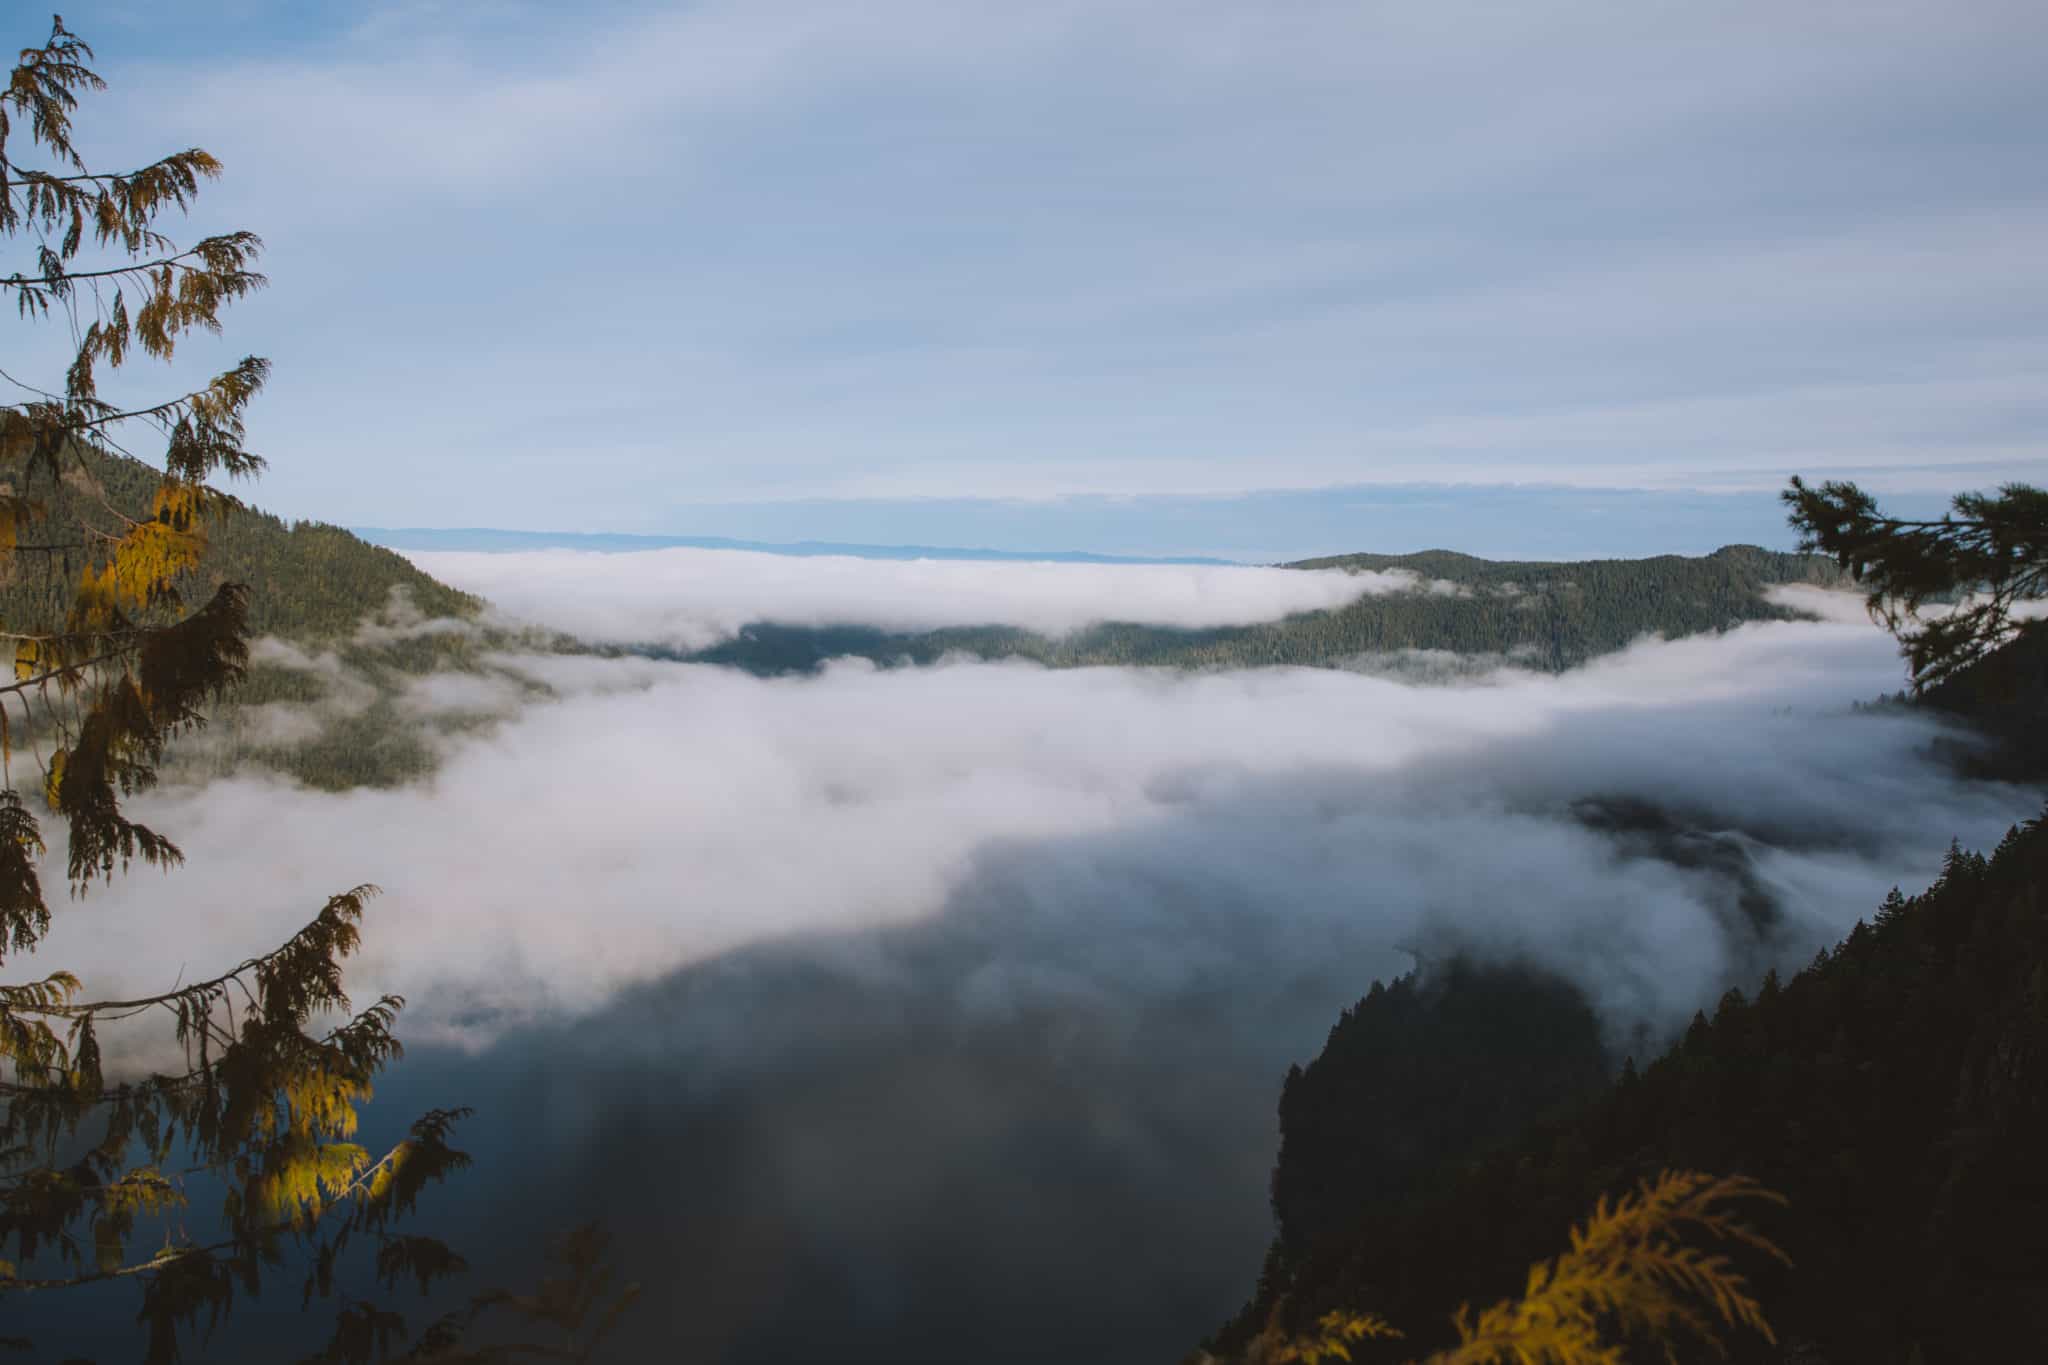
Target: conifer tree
[[251, 1139], [1990, 550]]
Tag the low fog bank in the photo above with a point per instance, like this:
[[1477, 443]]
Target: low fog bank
[[1852, 608], [689, 599]]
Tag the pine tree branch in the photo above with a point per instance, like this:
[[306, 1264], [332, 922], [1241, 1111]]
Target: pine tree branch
[[29, 684], [160, 1262], [136, 1006], [177, 262], [31, 175]]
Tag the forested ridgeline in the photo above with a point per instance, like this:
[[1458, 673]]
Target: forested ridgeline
[[309, 582], [1550, 616], [350, 626], [1895, 1091]]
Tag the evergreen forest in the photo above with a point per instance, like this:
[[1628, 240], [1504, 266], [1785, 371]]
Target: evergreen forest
[[309, 582]]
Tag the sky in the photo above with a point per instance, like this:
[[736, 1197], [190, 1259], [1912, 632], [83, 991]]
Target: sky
[[1556, 278]]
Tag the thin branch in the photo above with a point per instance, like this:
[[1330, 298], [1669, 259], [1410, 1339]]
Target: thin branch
[[29, 175], [28, 684], [101, 1276], [178, 262]]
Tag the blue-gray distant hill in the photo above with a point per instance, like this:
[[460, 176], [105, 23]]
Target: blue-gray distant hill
[[488, 539]]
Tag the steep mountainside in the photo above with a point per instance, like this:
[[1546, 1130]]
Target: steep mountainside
[[1550, 616]]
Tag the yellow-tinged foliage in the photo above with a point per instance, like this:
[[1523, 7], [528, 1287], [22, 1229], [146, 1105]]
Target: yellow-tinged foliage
[[1630, 1274], [53, 780], [141, 568], [1336, 1334], [108, 663], [110, 666], [1629, 1268]]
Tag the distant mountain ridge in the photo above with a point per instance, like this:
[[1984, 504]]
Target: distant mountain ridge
[[1544, 615], [1771, 566]]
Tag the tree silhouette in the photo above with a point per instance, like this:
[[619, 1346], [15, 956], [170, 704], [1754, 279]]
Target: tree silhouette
[[1990, 551]]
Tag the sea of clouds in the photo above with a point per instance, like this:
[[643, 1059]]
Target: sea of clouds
[[903, 992], [647, 815]]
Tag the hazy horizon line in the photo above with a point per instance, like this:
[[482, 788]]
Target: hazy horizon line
[[1520, 522]]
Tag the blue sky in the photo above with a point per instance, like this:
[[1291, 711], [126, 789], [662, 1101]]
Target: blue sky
[[949, 271]]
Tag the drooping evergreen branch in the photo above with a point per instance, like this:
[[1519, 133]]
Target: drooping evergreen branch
[[110, 665], [1987, 556], [344, 908], [374, 1183]]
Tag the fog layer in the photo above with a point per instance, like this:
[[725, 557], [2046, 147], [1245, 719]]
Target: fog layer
[[687, 599], [657, 814]]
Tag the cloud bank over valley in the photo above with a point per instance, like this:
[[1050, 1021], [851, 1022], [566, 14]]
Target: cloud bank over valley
[[624, 818], [973, 984]]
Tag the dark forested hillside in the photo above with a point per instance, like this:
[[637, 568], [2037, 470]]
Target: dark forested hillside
[[1548, 615], [1423, 1071], [1896, 1092], [2005, 697]]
